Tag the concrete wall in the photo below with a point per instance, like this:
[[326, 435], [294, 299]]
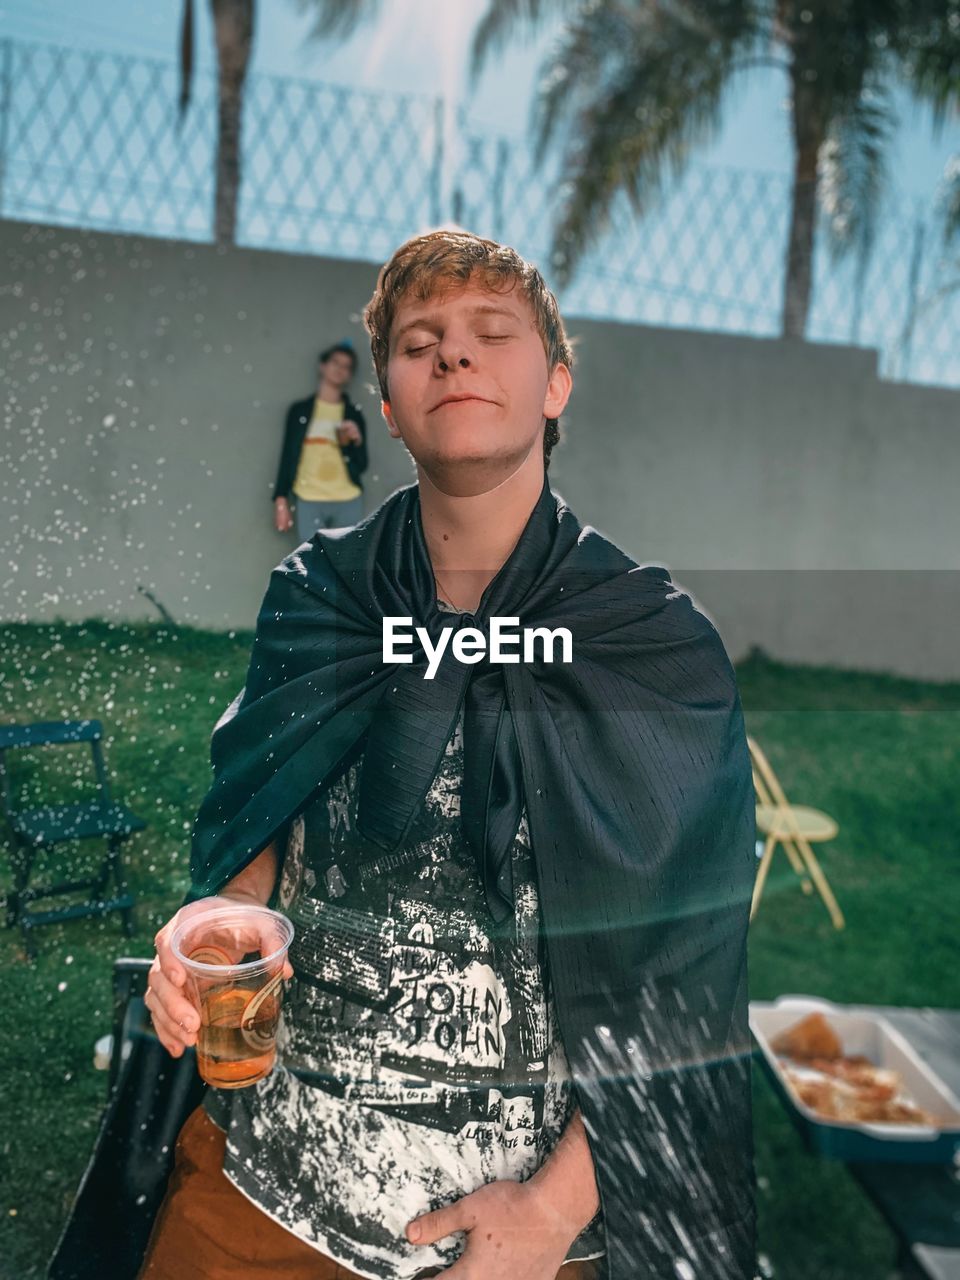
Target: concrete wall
[[810, 507]]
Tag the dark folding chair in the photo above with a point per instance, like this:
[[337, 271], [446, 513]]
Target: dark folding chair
[[36, 829], [150, 1096]]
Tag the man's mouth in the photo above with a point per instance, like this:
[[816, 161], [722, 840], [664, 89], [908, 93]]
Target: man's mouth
[[458, 400]]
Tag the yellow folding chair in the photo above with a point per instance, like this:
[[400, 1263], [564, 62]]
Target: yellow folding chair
[[794, 826]]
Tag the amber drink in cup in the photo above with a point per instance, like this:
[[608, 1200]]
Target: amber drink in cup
[[233, 958]]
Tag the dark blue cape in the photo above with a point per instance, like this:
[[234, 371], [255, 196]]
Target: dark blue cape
[[633, 767]]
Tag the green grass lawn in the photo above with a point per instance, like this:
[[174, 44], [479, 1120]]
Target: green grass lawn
[[878, 753]]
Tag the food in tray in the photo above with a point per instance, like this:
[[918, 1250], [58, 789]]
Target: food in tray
[[834, 1099], [850, 1089], [812, 1037], [875, 1082]]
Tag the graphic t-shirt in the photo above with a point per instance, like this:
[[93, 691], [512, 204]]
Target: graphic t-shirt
[[418, 1054], [322, 474]]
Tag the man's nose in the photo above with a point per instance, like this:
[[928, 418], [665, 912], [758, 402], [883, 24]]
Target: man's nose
[[453, 352]]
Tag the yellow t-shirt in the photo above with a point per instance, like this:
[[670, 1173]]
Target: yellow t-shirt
[[322, 474]]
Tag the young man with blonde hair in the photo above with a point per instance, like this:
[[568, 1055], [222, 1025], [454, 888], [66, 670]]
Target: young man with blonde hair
[[514, 1043]]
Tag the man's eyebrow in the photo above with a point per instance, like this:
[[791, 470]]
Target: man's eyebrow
[[429, 318]]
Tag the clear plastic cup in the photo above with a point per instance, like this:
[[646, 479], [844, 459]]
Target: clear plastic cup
[[233, 958]]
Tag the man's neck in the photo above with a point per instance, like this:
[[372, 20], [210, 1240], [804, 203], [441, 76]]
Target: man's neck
[[470, 538], [328, 392]]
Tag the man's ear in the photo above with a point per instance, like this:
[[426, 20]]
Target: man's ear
[[558, 391], [388, 419]]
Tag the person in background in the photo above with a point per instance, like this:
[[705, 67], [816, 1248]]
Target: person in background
[[324, 452]]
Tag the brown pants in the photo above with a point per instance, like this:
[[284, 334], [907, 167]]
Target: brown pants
[[208, 1230]]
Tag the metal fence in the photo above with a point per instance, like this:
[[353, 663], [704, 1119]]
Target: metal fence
[[93, 140]]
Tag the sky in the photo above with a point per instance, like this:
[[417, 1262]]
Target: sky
[[421, 46]]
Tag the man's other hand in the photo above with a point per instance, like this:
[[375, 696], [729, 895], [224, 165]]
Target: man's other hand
[[512, 1230], [282, 518]]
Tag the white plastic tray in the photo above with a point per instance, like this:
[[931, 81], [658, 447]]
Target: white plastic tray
[[874, 1038]]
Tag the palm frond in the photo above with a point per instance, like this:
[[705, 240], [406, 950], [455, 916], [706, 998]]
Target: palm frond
[[853, 168], [950, 199], [927, 43], [585, 55], [647, 94], [660, 48], [503, 20], [338, 19]]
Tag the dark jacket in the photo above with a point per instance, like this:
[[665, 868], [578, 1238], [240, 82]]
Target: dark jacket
[[632, 763], [298, 420]]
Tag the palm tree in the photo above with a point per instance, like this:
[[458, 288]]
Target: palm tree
[[948, 283], [633, 86], [951, 200], [233, 31]]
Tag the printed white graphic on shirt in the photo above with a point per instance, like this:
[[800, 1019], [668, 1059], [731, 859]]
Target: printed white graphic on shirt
[[419, 1055]]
